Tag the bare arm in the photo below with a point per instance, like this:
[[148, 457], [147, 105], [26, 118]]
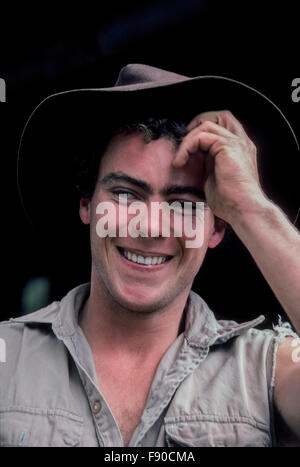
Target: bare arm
[[274, 244]]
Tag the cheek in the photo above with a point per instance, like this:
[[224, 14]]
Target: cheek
[[109, 219], [197, 229], [104, 216], [192, 262], [209, 223]]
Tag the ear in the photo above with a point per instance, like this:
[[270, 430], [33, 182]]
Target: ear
[[218, 233], [84, 210]]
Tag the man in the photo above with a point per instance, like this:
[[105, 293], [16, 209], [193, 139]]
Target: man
[[135, 358]]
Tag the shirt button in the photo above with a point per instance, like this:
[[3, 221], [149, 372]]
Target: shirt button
[[96, 407]]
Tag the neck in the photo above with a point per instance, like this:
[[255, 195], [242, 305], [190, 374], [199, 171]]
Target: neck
[[113, 329]]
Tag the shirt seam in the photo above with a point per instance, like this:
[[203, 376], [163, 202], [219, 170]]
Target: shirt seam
[[218, 419], [43, 411]]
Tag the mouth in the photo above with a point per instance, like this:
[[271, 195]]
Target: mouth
[[147, 260]]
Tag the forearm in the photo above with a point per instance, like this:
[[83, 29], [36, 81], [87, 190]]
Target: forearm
[[274, 244]]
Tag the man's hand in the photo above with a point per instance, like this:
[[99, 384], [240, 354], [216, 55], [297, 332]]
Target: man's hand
[[232, 183]]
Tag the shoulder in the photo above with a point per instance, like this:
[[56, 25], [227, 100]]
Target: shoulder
[[275, 354], [15, 326], [21, 337], [27, 342]]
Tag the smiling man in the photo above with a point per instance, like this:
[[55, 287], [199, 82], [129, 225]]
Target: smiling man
[[144, 172], [141, 304], [135, 358]]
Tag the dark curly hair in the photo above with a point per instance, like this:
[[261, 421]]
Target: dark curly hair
[[86, 167]]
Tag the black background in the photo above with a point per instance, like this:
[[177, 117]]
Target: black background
[[50, 48]]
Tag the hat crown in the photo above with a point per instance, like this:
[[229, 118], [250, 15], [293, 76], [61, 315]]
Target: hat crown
[[137, 74]]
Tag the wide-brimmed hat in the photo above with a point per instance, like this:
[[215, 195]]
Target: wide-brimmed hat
[[74, 122]]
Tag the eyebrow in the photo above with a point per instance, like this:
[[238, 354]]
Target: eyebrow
[[182, 190], [169, 190], [122, 177]]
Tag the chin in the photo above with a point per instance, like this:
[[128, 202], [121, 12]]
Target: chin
[[142, 302]]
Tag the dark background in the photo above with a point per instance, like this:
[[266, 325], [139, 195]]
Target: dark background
[[46, 49]]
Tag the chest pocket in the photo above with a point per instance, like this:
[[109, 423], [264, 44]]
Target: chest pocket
[[39, 427], [215, 434]]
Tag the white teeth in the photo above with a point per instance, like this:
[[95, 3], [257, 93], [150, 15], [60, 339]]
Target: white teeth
[[148, 260]]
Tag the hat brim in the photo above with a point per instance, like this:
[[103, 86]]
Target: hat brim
[[74, 122]]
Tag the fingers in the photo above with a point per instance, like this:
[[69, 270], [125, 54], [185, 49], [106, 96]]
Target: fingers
[[198, 141], [212, 127], [223, 118], [201, 118], [209, 132]]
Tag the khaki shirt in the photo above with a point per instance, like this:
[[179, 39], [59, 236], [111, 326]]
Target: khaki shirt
[[213, 387]]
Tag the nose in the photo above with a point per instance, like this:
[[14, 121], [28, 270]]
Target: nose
[[146, 220], [155, 220], [162, 222]]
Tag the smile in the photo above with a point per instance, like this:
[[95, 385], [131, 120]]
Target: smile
[[146, 260]]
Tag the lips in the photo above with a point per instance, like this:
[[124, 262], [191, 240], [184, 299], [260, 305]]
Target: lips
[[146, 259]]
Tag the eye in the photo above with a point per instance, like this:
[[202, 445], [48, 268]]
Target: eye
[[123, 196], [188, 207], [184, 205], [123, 192]]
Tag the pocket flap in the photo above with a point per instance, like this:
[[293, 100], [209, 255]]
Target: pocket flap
[[39, 427], [217, 434]]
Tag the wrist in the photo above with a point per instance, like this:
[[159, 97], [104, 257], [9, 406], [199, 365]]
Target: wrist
[[255, 210]]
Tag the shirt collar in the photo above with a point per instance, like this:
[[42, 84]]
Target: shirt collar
[[202, 329]]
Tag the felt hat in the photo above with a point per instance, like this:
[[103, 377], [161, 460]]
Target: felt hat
[[75, 122]]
